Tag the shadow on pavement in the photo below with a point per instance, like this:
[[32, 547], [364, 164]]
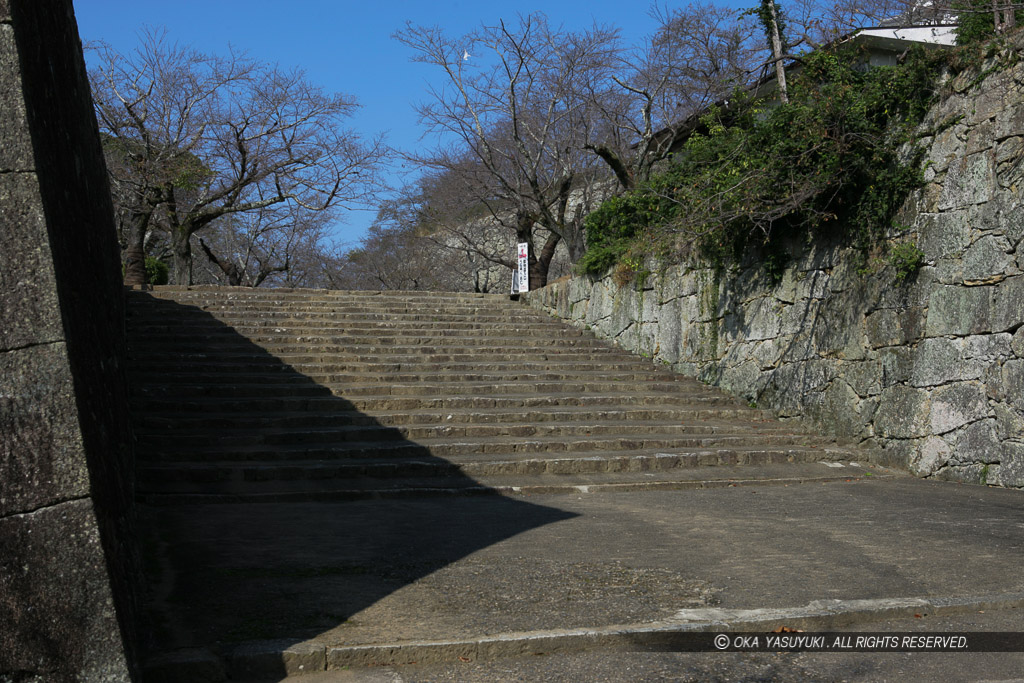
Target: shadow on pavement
[[229, 572]]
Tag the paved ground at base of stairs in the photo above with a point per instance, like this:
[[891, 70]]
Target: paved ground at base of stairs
[[628, 667], [371, 572]]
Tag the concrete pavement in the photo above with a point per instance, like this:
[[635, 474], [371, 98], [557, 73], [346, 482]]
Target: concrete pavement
[[286, 588]]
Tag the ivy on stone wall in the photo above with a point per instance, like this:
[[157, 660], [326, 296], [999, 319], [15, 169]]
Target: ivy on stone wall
[[838, 156]]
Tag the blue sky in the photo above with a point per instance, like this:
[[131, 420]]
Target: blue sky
[[343, 46]]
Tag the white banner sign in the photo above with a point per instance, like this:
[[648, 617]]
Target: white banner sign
[[524, 267]]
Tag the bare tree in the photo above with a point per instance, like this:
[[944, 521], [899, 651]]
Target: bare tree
[[262, 246], [201, 137], [697, 56], [510, 124]]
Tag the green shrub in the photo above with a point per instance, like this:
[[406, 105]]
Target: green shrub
[[156, 271], [751, 174], [907, 259]]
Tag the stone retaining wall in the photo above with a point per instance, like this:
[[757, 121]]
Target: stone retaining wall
[[67, 560], [929, 370]]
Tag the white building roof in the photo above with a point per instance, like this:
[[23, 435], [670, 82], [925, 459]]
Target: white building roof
[[894, 36]]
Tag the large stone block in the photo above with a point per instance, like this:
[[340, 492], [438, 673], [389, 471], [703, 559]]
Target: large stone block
[[978, 443], [1013, 383], [969, 180], [1011, 222], [768, 352], [987, 218], [785, 291], [703, 342], [1010, 121], [940, 360], [598, 308], [54, 588], [15, 142], [944, 235], [897, 452], [897, 364], [891, 327], [955, 405], [988, 349], [647, 339], [987, 260], [41, 458], [839, 330], [959, 311], [760, 319], [1008, 304], [579, 289], [1011, 466], [676, 282], [743, 379], [709, 295], [840, 410], [28, 292], [799, 316], [864, 376], [1008, 155], [650, 311], [948, 144], [1017, 344], [791, 385], [624, 312], [988, 101], [669, 331], [931, 456], [979, 136], [903, 413], [937, 361]]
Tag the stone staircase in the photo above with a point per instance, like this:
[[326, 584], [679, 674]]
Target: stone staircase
[[246, 395]]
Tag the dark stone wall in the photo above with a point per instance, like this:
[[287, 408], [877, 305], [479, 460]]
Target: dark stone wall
[[68, 565]]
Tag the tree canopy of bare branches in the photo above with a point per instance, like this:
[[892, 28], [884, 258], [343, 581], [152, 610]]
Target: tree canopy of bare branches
[[194, 138]]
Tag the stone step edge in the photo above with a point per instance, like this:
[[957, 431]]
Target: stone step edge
[[347, 495], [256, 291], [458, 447], [534, 464], [267, 658]]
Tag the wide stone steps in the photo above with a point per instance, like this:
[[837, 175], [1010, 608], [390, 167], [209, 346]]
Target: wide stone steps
[[253, 415], [214, 295], [411, 354], [507, 351], [371, 369], [423, 336], [412, 344], [312, 313], [207, 328], [243, 395], [230, 437], [356, 478], [448, 448], [526, 380], [208, 397], [270, 321]]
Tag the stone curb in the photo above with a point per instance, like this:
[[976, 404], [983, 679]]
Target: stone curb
[[276, 658]]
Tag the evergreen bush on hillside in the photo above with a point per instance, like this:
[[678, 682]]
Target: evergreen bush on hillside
[[751, 172]]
